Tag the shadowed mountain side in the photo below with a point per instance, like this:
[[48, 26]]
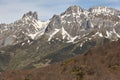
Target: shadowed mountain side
[[99, 63]]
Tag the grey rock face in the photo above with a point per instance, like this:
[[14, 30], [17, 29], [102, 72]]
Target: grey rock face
[[73, 24], [78, 22], [28, 27], [31, 14]]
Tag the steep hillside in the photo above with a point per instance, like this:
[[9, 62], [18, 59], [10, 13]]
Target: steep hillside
[[99, 63], [40, 53]]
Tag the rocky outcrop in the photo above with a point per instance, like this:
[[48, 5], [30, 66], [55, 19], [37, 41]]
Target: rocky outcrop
[[78, 22], [28, 27]]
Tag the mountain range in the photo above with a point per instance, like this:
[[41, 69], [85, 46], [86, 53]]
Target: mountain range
[[30, 43]]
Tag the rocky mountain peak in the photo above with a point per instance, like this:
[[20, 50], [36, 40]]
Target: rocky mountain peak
[[74, 9], [31, 15], [104, 10], [78, 22]]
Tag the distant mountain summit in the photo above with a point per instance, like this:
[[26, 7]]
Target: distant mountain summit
[[28, 27], [31, 15], [74, 9], [105, 10], [77, 22]]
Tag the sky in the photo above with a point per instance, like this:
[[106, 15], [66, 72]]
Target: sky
[[12, 10]]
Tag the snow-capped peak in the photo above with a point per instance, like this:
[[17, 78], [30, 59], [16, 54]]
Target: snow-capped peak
[[103, 10], [30, 15], [75, 9]]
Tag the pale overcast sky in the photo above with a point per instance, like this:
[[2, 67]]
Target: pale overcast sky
[[11, 10]]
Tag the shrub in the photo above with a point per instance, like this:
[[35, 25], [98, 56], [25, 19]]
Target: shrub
[[79, 72]]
